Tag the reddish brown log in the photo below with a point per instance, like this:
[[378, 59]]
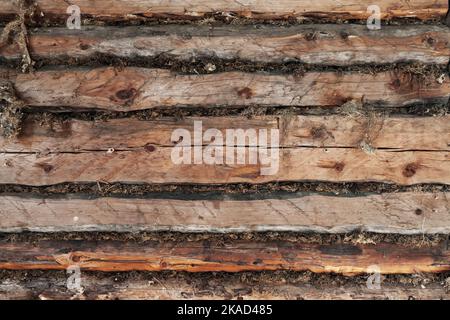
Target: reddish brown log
[[229, 257]]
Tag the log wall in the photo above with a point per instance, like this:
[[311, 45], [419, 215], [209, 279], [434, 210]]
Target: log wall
[[87, 176]]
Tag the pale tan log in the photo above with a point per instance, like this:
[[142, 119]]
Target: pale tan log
[[156, 287], [313, 44], [236, 256], [156, 166], [120, 134], [402, 213], [329, 9], [137, 88], [400, 133]]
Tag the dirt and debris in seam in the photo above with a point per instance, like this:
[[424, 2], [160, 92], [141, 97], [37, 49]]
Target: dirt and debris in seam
[[10, 111], [428, 109], [102, 189], [221, 239], [40, 19], [210, 64]]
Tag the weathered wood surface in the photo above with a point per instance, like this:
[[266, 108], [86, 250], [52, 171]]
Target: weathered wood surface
[[327, 9], [402, 213], [313, 44], [204, 256], [131, 88], [132, 134], [72, 135], [155, 165], [405, 150], [401, 133], [155, 287]]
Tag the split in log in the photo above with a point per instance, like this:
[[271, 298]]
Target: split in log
[[204, 256], [401, 213], [131, 88], [336, 45], [114, 10]]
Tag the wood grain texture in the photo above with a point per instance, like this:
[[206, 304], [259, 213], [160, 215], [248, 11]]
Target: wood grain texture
[[155, 287], [121, 134], [237, 256], [265, 9], [395, 132], [138, 88], [299, 164], [313, 44], [327, 148], [402, 213], [400, 133]]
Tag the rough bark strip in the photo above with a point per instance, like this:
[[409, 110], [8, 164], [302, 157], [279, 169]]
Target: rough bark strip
[[335, 45], [71, 135], [156, 166], [159, 288], [327, 9], [401, 213], [237, 256], [130, 89]]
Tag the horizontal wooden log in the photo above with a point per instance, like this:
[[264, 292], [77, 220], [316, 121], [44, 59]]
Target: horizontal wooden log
[[137, 88], [400, 133], [327, 9], [121, 134], [155, 165], [317, 44], [237, 256], [159, 288], [402, 213], [323, 148]]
